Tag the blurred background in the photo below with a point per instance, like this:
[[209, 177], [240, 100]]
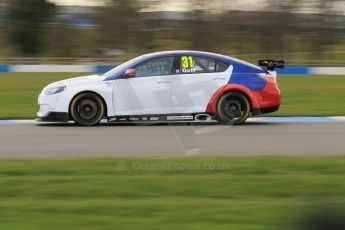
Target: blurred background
[[303, 32], [110, 193]]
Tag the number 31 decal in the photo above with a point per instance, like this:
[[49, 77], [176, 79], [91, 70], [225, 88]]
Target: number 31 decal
[[187, 64]]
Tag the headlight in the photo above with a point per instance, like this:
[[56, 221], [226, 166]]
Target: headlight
[[54, 90]]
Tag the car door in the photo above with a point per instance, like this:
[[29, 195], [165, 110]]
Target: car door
[[198, 79], [148, 92]]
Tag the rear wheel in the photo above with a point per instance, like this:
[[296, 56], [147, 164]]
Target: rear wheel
[[233, 108], [87, 109]]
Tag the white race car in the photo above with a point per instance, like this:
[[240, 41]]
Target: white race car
[[166, 86]]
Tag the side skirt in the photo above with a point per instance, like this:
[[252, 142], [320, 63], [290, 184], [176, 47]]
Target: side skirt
[[163, 117], [260, 111]]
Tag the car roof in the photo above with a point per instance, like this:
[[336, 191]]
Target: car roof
[[184, 52], [239, 65]]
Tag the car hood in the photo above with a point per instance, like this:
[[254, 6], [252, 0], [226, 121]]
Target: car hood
[[77, 80]]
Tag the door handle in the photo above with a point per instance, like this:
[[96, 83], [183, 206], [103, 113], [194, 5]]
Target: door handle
[[163, 82], [218, 78]]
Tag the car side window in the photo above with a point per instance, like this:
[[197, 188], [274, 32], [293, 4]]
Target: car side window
[[154, 67], [221, 67], [195, 64]]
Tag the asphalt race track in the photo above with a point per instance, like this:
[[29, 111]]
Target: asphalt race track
[[33, 140]]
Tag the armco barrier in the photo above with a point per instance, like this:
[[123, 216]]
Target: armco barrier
[[4, 68], [105, 68], [312, 70]]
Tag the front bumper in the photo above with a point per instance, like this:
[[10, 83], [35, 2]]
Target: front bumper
[[54, 117], [51, 108]]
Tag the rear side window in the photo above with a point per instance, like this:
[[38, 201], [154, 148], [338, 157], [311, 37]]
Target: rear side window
[[196, 64], [221, 67]]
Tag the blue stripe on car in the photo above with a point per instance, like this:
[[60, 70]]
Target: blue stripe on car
[[251, 81]]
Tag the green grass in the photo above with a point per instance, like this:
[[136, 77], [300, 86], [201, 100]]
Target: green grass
[[19, 92], [302, 94], [315, 95], [254, 193]]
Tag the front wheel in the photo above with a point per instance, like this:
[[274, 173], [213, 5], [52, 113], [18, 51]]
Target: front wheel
[[233, 108], [87, 109]]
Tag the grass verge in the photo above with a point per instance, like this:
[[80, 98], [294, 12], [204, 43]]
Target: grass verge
[[313, 95], [189, 193]]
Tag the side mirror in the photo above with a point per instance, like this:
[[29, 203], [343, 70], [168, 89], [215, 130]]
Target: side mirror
[[129, 73]]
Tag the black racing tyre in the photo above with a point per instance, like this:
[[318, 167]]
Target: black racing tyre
[[233, 108], [87, 109]]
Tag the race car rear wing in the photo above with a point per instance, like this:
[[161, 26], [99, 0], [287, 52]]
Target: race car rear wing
[[271, 64]]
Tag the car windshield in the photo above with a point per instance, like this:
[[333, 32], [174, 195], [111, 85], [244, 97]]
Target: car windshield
[[121, 67]]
